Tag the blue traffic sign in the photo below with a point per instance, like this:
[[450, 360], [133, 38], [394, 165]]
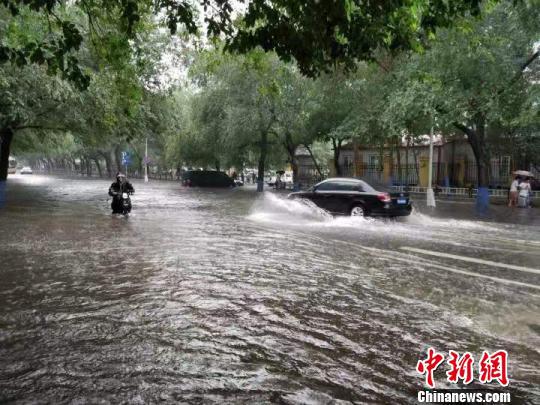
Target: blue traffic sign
[[126, 160]]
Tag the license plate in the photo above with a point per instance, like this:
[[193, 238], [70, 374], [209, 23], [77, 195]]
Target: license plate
[[402, 201]]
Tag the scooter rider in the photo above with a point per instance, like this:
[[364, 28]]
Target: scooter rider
[[121, 185]]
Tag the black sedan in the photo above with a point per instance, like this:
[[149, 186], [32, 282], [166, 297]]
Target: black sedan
[[206, 178], [347, 196]]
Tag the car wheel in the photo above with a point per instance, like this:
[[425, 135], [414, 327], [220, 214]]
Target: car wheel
[[358, 211]]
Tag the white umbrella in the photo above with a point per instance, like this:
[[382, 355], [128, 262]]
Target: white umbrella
[[523, 173]]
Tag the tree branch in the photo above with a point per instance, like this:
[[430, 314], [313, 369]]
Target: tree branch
[[462, 128], [314, 160], [530, 60]]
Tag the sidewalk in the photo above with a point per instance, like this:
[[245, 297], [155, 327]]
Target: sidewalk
[[493, 200]]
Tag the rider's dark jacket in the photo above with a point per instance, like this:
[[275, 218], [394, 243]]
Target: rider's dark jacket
[[115, 191], [118, 187]]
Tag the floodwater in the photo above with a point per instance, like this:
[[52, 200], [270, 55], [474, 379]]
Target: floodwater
[[229, 296]]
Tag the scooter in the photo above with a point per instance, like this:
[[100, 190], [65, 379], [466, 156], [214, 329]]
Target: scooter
[[124, 203]]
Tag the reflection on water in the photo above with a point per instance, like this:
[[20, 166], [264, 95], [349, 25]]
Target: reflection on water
[[229, 296]]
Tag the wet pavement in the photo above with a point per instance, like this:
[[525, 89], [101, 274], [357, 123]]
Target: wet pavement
[[229, 296]]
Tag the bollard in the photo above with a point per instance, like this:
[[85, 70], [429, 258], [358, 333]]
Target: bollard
[[482, 200]]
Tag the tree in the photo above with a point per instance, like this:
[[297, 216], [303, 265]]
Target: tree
[[472, 78], [329, 109], [236, 106], [120, 105], [292, 114], [31, 100], [315, 34], [251, 111]]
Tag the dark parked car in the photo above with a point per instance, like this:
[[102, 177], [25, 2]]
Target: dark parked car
[[347, 196], [206, 178]]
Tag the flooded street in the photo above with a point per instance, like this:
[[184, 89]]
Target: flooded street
[[229, 296]]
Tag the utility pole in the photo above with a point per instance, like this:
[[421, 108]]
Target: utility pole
[[430, 195], [146, 162]]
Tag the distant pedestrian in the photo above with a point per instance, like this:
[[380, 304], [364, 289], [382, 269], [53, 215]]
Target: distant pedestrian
[[525, 192], [470, 190], [514, 193]]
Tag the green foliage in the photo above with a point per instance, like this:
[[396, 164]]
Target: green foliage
[[29, 38], [319, 33], [316, 34], [121, 103], [470, 73], [475, 80], [239, 109]]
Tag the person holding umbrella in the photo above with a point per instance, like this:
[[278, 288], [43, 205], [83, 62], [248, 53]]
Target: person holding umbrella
[[524, 194]]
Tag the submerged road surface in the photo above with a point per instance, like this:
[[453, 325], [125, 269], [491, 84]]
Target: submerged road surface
[[229, 296]]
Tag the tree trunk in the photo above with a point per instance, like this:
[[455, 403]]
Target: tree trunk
[[291, 150], [51, 165], [108, 165], [88, 167], [262, 161], [336, 147], [482, 170], [6, 136], [294, 167], [43, 164], [118, 158], [398, 159], [416, 168], [217, 165], [438, 181], [317, 167], [476, 138], [290, 147], [477, 142], [98, 165], [451, 175], [407, 163]]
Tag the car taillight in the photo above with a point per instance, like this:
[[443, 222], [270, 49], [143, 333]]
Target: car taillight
[[384, 197]]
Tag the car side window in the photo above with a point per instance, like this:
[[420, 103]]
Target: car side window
[[339, 186], [347, 186], [327, 186]]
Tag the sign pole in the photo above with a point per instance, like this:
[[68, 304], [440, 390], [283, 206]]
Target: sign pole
[[146, 162], [430, 195]]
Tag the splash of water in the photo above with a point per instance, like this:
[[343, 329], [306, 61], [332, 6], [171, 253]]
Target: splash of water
[[276, 210], [272, 208]]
